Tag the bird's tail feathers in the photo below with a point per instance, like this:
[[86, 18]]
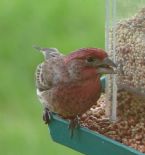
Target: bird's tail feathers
[[48, 52]]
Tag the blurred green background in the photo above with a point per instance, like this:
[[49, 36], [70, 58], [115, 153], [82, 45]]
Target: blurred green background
[[64, 24]]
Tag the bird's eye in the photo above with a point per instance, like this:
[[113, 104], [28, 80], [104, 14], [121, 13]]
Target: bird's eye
[[90, 59]]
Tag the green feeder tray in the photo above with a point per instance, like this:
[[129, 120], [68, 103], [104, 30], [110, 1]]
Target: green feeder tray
[[87, 141]]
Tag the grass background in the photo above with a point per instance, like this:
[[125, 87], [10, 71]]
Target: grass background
[[64, 24]]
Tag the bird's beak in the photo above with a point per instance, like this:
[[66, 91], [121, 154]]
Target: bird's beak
[[106, 67]]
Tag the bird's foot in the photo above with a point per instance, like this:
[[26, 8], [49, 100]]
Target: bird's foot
[[46, 116], [74, 123]]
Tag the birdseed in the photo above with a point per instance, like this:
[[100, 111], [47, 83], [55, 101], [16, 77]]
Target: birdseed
[[129, 129]]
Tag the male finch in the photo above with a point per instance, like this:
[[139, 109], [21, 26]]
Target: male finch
[[69, 85]]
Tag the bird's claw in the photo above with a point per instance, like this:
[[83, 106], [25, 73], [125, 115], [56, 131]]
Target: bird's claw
[[74, 123], [46, 116]]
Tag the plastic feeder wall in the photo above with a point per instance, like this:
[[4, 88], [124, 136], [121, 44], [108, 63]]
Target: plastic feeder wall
[[86, 141]]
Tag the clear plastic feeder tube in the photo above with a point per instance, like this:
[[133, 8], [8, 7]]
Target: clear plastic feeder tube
[[111, 89], [125, 44]]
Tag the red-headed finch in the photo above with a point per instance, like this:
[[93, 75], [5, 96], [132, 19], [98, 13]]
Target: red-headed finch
[[69, 85]]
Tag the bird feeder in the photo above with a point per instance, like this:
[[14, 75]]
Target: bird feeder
[[125, 43], [125, 91]]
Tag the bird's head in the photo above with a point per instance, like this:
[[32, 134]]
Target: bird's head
[[89, 62]]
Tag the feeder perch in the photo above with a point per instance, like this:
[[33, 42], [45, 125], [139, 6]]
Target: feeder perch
[[86, 141]]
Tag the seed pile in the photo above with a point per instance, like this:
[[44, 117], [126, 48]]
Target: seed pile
[[130, 52], [130, 127]]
